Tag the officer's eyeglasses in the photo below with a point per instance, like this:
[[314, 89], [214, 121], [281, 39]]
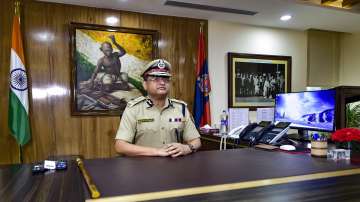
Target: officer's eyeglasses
[[158, 79]]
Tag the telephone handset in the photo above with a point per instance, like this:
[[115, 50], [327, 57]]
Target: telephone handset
[[236, 134], [238, 131], [256, 131], [247, 129]]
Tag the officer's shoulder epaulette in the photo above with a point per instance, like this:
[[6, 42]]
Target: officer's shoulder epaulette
[[136, 101], [178, 101]]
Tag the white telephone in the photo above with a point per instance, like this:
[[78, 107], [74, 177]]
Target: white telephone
[[234, 133]]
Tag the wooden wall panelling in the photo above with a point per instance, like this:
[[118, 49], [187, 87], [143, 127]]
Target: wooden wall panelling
[[47, 51], [38, 66], [8, 148]]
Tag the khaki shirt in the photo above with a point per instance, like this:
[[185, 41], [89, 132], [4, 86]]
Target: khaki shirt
[[144, 124]]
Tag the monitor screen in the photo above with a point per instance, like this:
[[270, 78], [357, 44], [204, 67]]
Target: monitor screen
[[311, 110]]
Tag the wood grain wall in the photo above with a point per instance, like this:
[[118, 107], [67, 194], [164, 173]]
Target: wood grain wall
[[54, 130]]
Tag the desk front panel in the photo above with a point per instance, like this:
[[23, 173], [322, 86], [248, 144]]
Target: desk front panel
[[340, 189], [127, 176], [229, 175]]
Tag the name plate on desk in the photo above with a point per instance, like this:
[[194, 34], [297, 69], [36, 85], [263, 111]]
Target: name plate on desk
[[50, 164]]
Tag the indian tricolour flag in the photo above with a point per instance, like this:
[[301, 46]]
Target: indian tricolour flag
[[18, 94]]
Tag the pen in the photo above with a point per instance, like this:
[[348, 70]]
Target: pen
[[177, 135]]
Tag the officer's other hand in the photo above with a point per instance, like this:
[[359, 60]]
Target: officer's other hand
[[177, 149], [162, 152]]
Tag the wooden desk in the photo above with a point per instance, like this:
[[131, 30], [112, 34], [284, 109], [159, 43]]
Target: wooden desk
[[217, 171], [231, 175], [17, 183]]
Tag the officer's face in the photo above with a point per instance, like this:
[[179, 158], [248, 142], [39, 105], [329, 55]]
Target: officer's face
[[156, 86]]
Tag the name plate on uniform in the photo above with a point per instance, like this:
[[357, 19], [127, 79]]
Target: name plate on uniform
[[145, 120]]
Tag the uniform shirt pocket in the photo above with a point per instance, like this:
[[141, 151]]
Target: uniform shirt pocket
[[145, 126], [177, 131]]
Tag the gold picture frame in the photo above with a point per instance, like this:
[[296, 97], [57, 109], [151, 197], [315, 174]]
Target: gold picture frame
[[107, 63], [253, 79]]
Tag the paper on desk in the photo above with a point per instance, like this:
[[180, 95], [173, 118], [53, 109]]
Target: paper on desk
[[206, 127], [265, 114], [238, 116]]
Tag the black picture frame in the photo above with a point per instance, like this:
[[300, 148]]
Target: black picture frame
[[118, 75], [254, 79]]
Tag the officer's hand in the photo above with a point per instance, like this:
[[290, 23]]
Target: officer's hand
[[162, 152], [177, 149]]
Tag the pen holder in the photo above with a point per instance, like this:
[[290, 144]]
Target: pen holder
[[319, 148]]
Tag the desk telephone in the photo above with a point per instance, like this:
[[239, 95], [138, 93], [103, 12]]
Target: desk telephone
[[256, 132], [275, 132], [264, 132], [235, 133], [240, 130]]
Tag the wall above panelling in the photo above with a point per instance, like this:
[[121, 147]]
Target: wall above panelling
[[47, 53], [323, 58], [350, 59], [227, 37]]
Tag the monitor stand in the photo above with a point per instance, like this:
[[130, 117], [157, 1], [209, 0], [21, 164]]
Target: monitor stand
[[303, 134]]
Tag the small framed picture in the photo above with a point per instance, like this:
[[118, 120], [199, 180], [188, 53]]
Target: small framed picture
[[254, 80]]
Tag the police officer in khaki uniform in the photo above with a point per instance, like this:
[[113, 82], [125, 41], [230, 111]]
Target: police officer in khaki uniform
[[157, 125]]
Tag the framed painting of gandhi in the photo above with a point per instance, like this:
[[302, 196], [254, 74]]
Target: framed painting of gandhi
[[254, 80], [106, 66]]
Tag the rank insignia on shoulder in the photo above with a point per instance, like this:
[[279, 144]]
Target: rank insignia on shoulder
[[136, 101], [178, 101], [145, 120]]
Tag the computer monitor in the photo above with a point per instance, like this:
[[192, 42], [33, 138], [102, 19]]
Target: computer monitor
[[310, 110]]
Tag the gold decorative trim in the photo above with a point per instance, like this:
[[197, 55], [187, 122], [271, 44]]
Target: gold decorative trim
[[218, 141], [226, 187]]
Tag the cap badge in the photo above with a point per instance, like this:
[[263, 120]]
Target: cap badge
[[161, 64]]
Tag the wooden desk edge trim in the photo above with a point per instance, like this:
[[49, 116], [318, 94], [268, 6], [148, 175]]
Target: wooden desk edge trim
[[226, 187]]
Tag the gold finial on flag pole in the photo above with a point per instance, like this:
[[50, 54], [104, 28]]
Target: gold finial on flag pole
[[17, 7], [201, 26]]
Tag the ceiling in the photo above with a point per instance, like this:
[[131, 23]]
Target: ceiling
[[305, 15]]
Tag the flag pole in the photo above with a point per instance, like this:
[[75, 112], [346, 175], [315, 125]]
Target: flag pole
[[201, 108], [20, 154], [17, 7], [17, 13], [18, 114]]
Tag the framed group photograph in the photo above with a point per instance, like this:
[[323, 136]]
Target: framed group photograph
[[254, 80], [107, 63]]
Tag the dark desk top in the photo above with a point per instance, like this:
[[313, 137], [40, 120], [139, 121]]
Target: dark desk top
[[226, 175], [129, 176], [17, 183]]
